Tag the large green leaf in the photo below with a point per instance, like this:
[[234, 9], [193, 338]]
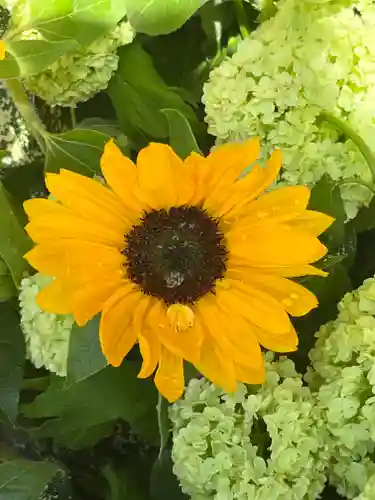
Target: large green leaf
[[139, 94], [111, 394], [329, 292], [365, 218], [163, 482], [159, 17], [326, 198], [14, 242], [181, 137], [7, 288], [12, 355], [29, 57], [79, 150], [126, 483], [81, 20], [25, 480], [85, 354]]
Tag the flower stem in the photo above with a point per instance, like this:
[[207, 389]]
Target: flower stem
[[27, 111], [268, 10], [350, 133], [242, 20]]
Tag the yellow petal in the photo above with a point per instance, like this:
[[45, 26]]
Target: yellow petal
[[180, 317], [257, 307], [158, 169], [275, 245], [56, 222], [55, 298], [150, 348], [89, 298], [169, 378], [183, 344], [226, 163], [120, 174], [295, 299], [2, 50], [88, 199], [278, 343], [117, 334], [294, 271], [312, 222], [248, 375], [68, 257], [278, 205], [216, 366], [250, 187], [233, 334], [197, 167]]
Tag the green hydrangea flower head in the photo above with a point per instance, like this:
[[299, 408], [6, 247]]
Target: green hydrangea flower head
[[47, 335], [312, 56], [260, 443], [369, 491], [79, 75], [343, 376]]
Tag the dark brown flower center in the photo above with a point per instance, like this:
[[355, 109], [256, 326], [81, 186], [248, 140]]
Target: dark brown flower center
[[176, 255]]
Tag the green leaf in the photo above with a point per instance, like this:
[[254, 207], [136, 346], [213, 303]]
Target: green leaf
[[85, 354], [14, 242], [329, 291], [125, 483], [29, 57], [159, 17], [163, 482], [7, 288], [139, 94], [25, 480], [12, 354], [81, 20], [181, 137], [326, 198], [78, 150], [111, 394], [365, 218]]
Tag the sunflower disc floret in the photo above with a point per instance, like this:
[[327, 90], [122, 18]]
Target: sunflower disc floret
[[260, 443]]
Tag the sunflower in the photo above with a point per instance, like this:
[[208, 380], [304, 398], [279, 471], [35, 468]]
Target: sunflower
[[189, 259]]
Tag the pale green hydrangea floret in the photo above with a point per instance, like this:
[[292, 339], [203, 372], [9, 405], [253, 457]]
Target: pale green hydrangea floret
[[79, 75], [257, 443], [310, 57], [47, 335], [369, 491], [343, 374]]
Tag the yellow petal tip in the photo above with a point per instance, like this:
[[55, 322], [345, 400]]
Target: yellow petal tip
[[2, 50]]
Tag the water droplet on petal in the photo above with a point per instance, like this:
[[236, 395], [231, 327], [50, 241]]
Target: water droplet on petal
[[294, 296], [286, 302], [180, 317]]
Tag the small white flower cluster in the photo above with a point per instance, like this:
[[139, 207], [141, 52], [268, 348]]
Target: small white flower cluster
[[79, 75], [47, 335], [261, 442], [313, 56], [343, 376]]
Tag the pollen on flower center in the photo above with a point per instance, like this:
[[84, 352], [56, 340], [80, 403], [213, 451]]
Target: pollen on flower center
[[177, 254]]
